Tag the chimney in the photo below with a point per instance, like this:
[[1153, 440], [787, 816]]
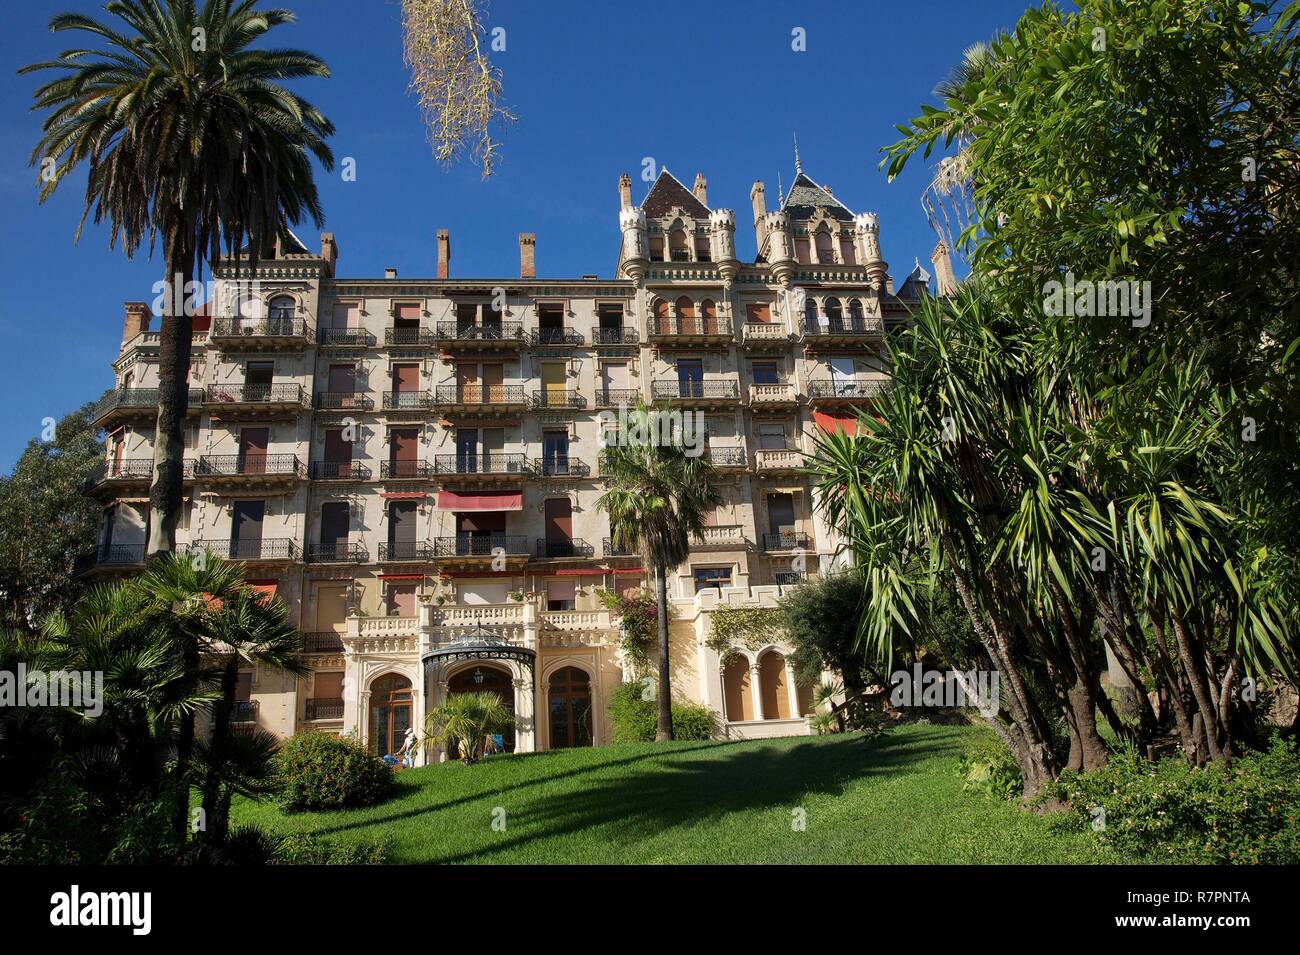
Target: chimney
[[701, 189], [625, 191], [757, 200], [137, 320], [945, 278], [444, 253], [329, 251], [527, 247], [390, 273]]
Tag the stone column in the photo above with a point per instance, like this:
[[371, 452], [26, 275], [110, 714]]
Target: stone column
[[792, 690], [756, 691], [352, 689], [526, 726]]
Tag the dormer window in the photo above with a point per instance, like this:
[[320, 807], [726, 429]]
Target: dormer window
[[677, 248]]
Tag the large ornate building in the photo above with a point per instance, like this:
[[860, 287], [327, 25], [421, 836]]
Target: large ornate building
[[412, 465]]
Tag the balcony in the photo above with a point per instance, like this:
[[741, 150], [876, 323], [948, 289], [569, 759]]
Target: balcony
[[122, 404], [689, 333], [707, 392], [405, 471], [609, 337], [285, 397], [775, 396], [248, 468], [763, 335], [727, 458], [841, 331], [322, 641], [612, 550], [324, 709], [409, 338], [338, 471], [480, 547], [489, 465], [337, 553], [403, 551], [342, 402], [574, 548], [253, 551], [789, 578], [110, 557], [568, 399], [407, 402], [846, 390], [556, 338], [242, 334], [562, 466], [617, 398], [778, 461], [489, 336], [125, 471], [480, 399], [346, 338], [244, 711], [786, 540], [726, 536]]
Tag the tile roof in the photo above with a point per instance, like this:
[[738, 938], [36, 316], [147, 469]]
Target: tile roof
[[667, 193]]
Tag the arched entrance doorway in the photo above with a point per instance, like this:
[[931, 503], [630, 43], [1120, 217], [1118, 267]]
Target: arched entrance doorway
[[390, 713], [484, 678], [569, 700]]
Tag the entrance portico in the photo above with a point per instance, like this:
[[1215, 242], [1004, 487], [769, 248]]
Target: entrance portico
[[477, 658]]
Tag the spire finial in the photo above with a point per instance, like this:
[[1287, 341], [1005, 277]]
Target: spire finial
[[780, 191], [798, 166]]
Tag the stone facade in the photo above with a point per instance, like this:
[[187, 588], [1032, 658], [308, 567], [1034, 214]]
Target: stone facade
[[412, 465]]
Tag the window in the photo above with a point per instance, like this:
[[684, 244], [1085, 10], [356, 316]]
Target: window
[[677, 248], [825, 247], [702, 252], [282, 308], [555, 452], [657, 248], [335, 525], [561, 594], [771, 437], [716, 577], [401, 600], [766, 373], [758, 314]]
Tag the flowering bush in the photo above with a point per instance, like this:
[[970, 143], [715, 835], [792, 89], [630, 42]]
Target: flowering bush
[[329, 772]]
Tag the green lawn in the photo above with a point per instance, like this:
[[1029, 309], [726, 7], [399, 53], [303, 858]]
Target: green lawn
[[895, 800]]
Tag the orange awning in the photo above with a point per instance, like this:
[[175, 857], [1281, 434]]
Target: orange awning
[[480, 500], [830, 422]]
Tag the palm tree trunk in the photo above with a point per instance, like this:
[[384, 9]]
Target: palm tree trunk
[[665, 728], [217, 826], [174, 349], [185, 746]]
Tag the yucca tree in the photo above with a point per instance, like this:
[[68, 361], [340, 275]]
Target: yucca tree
[[189, 141], [658, 495], [465, 721]]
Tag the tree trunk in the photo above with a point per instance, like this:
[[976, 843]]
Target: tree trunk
[[218, 827], [185, 745], [174, 348], [1200, 691], [665, 728]]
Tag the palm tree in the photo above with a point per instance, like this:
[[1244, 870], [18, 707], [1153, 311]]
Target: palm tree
[[658, 495], [468, 721], [242, 764], [189, 140]]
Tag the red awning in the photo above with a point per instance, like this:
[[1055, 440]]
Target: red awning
[[573, 572], [404, 495], [629, 570], [831, 422], [401, 576], [480, 500], [266, 588]]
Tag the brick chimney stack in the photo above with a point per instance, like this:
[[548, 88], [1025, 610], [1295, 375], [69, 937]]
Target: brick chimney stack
[[527, 248], [701, 189], [625, 191], [444, 253], [329, 251], [137, 320]]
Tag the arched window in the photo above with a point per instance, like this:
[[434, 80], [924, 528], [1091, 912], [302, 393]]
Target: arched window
[[772, 686], [703, 252], [834, 314], [685, 316], [825, 246], [736, 690], [710, 314], [678, 251], [662, 319], [810, 315], [282, 308], [855, 310], [485, 678], [390, 713], [570, 708]]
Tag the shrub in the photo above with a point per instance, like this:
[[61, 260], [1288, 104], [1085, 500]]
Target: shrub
[[301, 848], [987, 766], [1248, 812], [330, 772], [634, 719]]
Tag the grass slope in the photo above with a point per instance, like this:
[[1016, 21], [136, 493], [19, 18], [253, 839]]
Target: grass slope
[[895, 800]]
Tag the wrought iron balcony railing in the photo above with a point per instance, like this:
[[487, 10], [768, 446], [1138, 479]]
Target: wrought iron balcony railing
[[606, 335], [244, 711], [572, 547], [481, 545], [786, 540], [323, 641], [568, 398], [338, 552], [266, 548], [690, 327], [688, 389], [247, 465], [405, 550], [277, 393], [555, 336], [480, 394], [562, 466], [139, 399], [339, 471], [486, 332], [346, 338], [490, 462], [727, 457], [789, 578], [343, 401], [259, 328], [611, 549], [617, 397], [411, 337], [111, 555], [841, 326], [848, 388], [407, 401], [325, 709], [405, 470], [126, 469]]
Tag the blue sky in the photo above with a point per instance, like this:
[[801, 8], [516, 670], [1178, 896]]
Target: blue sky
[[712, 87]]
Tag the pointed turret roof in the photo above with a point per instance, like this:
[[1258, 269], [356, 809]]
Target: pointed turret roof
[[668, 193], [806, 195]]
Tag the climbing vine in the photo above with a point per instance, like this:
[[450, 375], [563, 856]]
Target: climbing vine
[[750, 627], [638, 625]]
